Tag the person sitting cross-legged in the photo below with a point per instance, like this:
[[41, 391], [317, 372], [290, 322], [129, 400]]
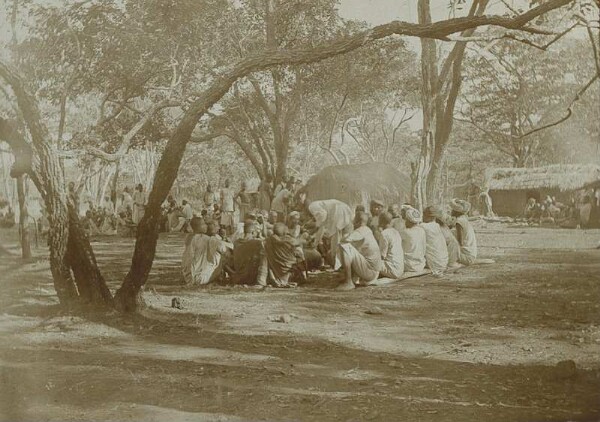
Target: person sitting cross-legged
[[465, 234], [390, 244], [444, 221], [283, 258], [436, 250], [360, 254], [207, 252], [249, 260]]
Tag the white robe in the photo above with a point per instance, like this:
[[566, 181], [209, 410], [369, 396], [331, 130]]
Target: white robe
[[436, 251], [204, 259], [390, 244], [414, 245]]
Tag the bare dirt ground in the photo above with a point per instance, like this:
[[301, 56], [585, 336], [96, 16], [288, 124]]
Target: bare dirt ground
[[477, 345]]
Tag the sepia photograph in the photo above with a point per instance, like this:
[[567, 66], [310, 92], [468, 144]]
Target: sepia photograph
[[300, 210]]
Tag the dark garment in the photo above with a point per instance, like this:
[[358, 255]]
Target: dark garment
[[249, 262], [282, 259]]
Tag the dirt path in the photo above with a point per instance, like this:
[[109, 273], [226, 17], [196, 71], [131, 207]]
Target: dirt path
[[480, 344]]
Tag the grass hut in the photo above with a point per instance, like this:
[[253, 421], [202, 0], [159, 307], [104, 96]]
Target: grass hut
[[357, 184], [511, 187]]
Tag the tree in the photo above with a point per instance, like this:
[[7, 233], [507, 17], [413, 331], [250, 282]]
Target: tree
[[441, 86], [128, 295], [512, 92], [51, 183]]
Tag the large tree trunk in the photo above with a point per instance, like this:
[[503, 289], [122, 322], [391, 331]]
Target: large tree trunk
[[429, 91], [23, 218], [129, 296], [440, 89], [80, 257]]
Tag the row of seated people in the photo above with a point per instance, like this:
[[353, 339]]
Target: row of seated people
[[279, 258], [402, 242], [380, 244]]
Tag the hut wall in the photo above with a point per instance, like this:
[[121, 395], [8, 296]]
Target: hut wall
[[509, 203]]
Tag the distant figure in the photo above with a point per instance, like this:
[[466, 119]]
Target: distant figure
[[209, 198], [595, 211], [126, 200], [486, 203], [139, 203], [390, 244], [264, 194], [413, 241], [244, 201], [465, 234], [227, 207], [532, 210], [188, 214], [280, 186], [585, 212], [360, 255], [281, 202]]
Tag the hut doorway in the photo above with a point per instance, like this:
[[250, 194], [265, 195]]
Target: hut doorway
[[535, 194]]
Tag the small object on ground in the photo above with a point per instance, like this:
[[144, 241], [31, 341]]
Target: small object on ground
[[285, 318], [375, 310], [565, 369], [176, 303]]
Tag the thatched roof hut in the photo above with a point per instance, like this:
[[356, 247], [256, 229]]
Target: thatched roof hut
[[511, 187], [557, 177], [359, 183]]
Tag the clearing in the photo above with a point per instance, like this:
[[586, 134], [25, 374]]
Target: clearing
[[480, 344]]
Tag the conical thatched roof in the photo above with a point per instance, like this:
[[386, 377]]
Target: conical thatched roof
[[560, 177], [359, 183]]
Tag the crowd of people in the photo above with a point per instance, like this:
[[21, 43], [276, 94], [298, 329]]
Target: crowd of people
[[584, 214], [281, 246]]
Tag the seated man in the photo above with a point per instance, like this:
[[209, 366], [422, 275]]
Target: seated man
[[89, 225], [464, 231], [444, 220], [307, 249], [360, 254], [293, 223], [397, 221], [376, 208], [390, 244], [436, 250], [199, 228], [207, 256], [282, 257], [249, 260], [413, 241]]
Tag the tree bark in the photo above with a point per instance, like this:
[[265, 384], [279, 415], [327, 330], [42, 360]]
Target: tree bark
[[23, 218], [66, 252], [439, 94]]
